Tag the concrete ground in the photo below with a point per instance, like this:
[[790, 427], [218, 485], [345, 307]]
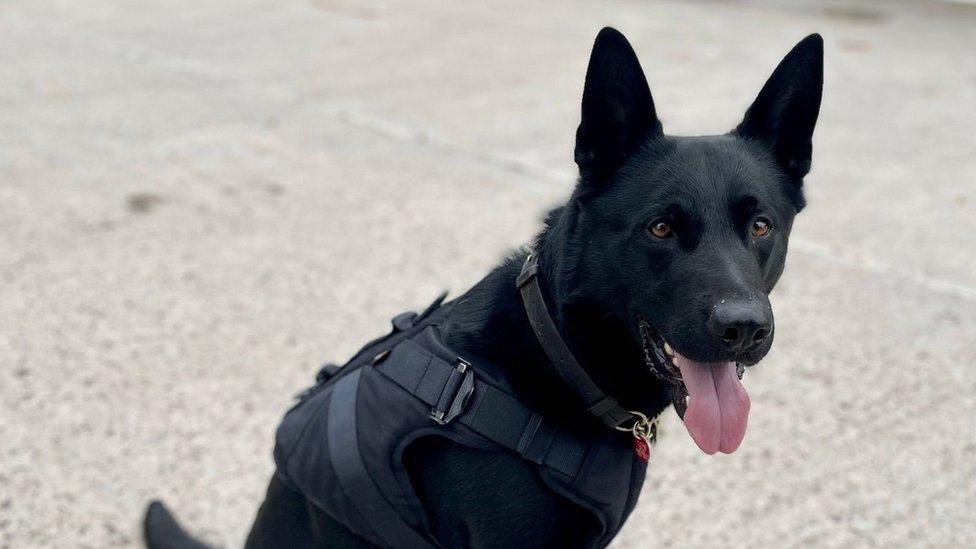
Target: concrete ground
[[200, 201]]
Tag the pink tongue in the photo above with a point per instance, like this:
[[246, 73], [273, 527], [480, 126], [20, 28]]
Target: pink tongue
[[718, 405]]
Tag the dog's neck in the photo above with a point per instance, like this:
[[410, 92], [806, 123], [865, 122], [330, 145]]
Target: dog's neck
[[490, 322]]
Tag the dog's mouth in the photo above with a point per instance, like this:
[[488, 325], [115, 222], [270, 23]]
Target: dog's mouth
[[708, 396]]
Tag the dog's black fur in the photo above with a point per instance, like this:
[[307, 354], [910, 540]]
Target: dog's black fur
[[602, 267]]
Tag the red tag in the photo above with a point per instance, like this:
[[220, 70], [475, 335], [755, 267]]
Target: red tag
[[642, 449]]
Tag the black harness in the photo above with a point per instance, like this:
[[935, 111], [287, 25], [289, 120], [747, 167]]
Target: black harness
[[342, 444]]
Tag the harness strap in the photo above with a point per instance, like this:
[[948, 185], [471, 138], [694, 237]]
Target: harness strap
[[354, 479], [454, 393], [597, 402]]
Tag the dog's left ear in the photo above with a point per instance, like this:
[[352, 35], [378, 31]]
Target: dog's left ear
[[618, 111], [785, 112]]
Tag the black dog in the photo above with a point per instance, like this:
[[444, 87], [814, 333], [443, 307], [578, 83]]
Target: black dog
[[667, 243]]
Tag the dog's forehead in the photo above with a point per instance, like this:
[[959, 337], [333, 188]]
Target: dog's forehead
[[703, 171], [723, 166]]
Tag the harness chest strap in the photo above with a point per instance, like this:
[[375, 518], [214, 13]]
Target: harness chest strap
[[455, 394]]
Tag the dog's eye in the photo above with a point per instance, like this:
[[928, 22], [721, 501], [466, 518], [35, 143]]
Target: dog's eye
[[761, 227], [660, 229]]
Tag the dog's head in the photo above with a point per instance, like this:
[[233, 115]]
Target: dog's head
[[681, 239]]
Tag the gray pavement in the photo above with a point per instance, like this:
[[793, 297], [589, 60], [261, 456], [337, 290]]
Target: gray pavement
[[182, 185]]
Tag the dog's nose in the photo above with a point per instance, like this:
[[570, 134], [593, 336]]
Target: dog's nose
[[741, 325]]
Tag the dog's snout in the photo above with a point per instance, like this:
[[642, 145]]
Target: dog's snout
[[741, 325]]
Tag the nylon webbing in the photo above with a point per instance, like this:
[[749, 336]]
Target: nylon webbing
[[490, 412], [354, 479]]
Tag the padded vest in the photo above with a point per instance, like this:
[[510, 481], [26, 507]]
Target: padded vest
[[342, 444]]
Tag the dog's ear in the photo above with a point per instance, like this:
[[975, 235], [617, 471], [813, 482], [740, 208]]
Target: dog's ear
[[618, 111], [785, 112]]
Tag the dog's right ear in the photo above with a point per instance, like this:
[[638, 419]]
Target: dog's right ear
[[618, 111]]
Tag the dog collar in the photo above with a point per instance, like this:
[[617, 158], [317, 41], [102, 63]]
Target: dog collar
[[598, 403]]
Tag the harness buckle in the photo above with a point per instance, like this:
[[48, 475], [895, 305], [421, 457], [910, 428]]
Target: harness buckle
[[456, 393]]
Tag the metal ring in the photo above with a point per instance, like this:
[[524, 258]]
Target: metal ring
[[643, 429], [638, 419]]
